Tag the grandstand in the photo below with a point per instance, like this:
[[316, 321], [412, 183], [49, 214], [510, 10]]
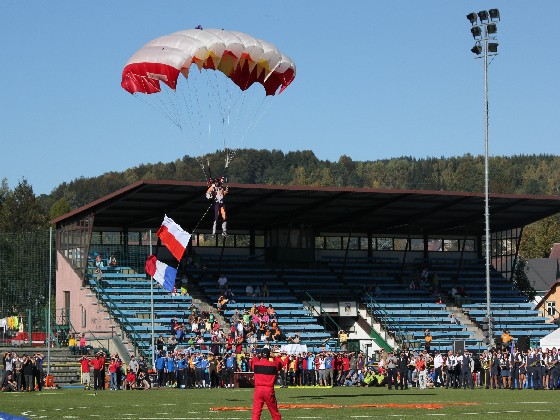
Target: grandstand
[[306, 246]]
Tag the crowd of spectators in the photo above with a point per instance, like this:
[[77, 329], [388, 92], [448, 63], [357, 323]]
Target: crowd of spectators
[[197, 329], [22, 372], [189, 368], [259, 324], [134, 376], [498, 368]]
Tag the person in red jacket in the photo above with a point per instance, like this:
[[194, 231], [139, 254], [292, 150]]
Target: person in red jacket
[[86, 364], [98, 369], [265, 375]]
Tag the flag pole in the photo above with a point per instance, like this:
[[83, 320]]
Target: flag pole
[[152, 306]]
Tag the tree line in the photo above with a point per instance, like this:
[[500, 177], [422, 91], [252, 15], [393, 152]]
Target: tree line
[[21, 210]]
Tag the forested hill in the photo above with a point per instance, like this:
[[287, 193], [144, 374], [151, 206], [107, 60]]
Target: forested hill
[[539, 175]]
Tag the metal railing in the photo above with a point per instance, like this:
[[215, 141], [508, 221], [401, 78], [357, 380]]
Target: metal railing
[[119, 316], [317, 308], [98, 340], [377, 312]]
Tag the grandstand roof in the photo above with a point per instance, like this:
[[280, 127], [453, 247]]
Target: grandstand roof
[[325, 209]]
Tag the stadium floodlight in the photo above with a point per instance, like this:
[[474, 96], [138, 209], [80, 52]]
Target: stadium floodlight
[[491, 28], [472, 17], [493, 47], [477, 49], [483, 16], [476, 32], [483, 32], [494, 14]]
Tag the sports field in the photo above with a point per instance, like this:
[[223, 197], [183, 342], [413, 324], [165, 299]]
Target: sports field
[[302, 403]]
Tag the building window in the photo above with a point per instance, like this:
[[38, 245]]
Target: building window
[[84, 317], [551, 308], [384, 244]]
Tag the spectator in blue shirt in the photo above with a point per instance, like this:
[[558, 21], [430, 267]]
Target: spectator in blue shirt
[[204, 364], [310, 378], [160, 367], [231, 367], [181, 370], [329, 361], [170, 369]]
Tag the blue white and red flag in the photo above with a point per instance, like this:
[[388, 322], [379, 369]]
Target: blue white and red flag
[[161, 272]]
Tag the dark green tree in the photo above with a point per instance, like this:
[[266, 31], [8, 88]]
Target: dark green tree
[[521, 281], [21, 211], [538, 238], [59, 208]]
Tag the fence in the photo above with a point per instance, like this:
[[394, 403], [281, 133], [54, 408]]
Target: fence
[[24, 285]]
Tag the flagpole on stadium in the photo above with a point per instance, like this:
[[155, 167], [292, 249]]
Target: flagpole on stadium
[[152, 306]]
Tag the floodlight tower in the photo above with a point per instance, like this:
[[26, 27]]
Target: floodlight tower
[[484, 31]]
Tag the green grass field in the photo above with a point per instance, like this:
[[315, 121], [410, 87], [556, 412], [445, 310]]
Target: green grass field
[[344, 403]]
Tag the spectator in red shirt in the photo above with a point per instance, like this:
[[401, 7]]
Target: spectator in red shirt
[[344, 368], [130, 382], [113, 367], [284, 362], [86, 378], [98, 369]]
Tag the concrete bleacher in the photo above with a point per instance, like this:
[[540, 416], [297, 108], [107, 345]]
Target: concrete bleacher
[[127, 296], [519, 318], [510, 308], [471, 276], [412, 318]]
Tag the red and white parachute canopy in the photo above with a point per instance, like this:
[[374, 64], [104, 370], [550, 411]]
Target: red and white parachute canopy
[[241, 57]]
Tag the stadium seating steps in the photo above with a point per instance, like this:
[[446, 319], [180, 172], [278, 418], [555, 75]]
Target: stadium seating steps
[[127, 296]]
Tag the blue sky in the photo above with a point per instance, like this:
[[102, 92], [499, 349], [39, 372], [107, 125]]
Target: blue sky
[[374, 80]]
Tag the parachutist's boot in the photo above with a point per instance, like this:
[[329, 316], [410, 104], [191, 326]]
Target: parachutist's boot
[[224, 228], [214, 228]]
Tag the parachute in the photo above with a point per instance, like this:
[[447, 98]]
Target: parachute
[[241, 57], [224, 98]]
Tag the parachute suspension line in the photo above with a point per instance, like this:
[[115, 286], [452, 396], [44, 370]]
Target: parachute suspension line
[[169, 96], [194, 123], [162, 109], [239, 105], [203, 216], [222, 104], [194, 106], [261, 112], [227, 123]]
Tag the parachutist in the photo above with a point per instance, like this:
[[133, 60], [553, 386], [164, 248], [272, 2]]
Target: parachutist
[[217, 191]]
